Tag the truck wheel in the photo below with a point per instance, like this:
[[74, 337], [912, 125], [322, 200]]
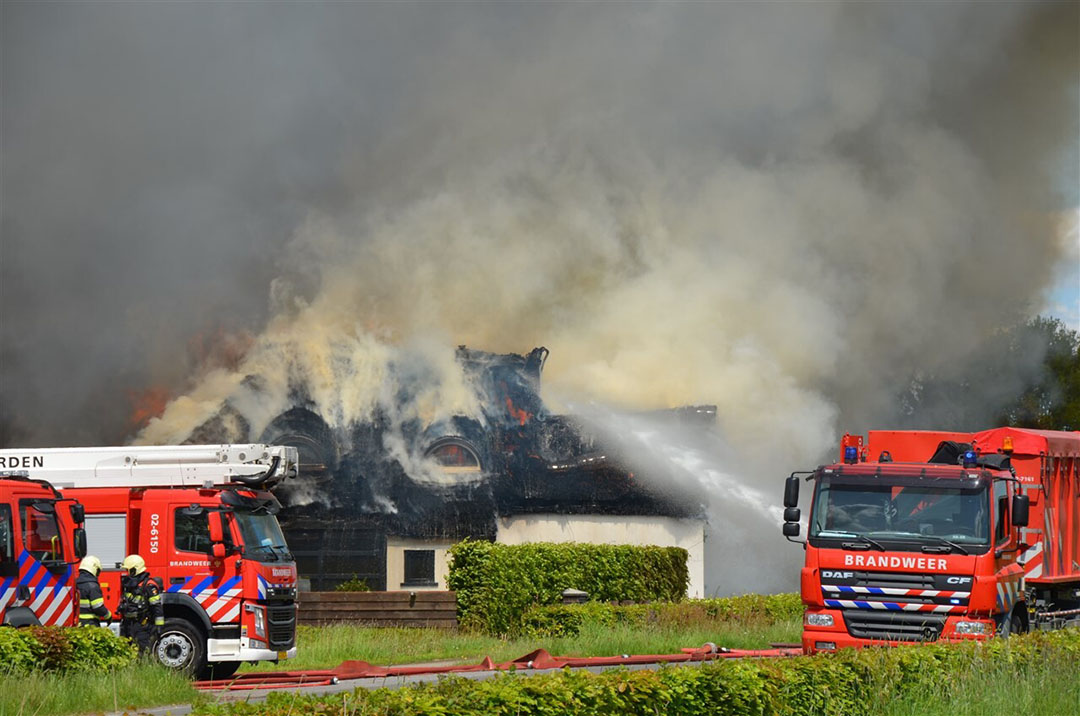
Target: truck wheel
[[1011, 624], [181, 646], [217, 670]]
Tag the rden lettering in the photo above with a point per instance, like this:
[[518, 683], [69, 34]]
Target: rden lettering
[[21, 461]]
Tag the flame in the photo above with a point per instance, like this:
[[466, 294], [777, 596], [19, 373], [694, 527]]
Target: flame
[[522, 416], [146, 404]]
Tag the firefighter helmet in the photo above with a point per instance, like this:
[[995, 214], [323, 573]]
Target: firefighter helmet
[[91, 564], [134, 564]]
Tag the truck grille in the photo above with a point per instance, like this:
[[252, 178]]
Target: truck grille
[[900, 580], [896, 588], [893, 626], [281, 627]]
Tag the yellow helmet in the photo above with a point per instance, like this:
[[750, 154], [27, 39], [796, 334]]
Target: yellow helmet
[[91, 564], [134, 564]]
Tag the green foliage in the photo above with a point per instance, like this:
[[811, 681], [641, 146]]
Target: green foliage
[[18, 652], [497, 583], [99, 650], [63, 649], [1026, 375], [1051, 400], [851, 683], [353, 585], [567, 620]]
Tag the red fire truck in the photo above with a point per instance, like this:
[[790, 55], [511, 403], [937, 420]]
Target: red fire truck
[[923, 535], [41, 543], [203, 519]]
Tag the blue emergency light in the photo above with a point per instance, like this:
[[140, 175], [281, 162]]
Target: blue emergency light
[[851, 454], [970, 459]]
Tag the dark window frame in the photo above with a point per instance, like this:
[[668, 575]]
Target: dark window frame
[[419, 568], [7, 539]]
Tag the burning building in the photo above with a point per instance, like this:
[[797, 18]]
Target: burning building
[[383, 498]]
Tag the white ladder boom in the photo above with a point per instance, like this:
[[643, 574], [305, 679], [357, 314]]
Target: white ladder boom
[[256, 465]]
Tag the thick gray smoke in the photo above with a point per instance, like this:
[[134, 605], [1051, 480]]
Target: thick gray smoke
[[785, 209]]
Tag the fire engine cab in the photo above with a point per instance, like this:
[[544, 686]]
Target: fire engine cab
[[203, 519], [41, 542]]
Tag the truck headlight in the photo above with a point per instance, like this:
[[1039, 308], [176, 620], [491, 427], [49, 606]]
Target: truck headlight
[[982, 628], [260, 622], [821, 620]]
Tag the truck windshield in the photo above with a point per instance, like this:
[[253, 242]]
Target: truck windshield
[[919, 512], [263, 540]]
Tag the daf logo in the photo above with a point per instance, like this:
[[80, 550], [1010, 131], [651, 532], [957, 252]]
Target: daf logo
[[837, 575], [957, 580]]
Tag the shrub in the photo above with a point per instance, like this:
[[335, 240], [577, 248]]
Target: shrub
[[497, 583], [63, 649], [353, 585], [567, 620]]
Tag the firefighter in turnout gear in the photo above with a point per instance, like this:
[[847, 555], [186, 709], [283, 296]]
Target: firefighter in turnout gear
[[92, 609], [141, 611]]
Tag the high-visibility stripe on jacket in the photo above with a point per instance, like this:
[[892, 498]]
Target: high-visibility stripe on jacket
[[92, 609], [141, 602]]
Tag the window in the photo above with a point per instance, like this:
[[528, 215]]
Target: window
[[192, 532], [1001, 502], [453, 455], [41, 536], [419, 568], [7, 535]]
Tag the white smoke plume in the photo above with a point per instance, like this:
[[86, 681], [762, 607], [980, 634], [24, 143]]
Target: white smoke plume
[[784, 209]]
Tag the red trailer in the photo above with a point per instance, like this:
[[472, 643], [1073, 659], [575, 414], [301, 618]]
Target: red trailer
[[926, 535]]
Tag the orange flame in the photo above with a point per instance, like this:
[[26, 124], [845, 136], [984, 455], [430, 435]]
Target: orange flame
[[521, 416], [146, 404]]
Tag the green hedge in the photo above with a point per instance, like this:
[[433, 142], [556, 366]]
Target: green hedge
[[497, 583], [851, 683], [62, 649], [567, 620]]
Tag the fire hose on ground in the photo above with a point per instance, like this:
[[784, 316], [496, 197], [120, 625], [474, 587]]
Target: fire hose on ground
[[539, 659]]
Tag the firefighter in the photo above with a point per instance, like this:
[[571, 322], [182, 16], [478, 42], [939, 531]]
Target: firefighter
[[92, 609], [141, 611]]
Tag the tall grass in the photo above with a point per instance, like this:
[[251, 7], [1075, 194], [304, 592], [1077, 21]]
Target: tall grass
[[50, 694], [326, 647], [999, 687]]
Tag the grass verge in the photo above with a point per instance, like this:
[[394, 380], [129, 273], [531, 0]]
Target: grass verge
[[50, 694]]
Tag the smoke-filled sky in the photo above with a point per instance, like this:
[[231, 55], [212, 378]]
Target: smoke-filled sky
[[785, 209]]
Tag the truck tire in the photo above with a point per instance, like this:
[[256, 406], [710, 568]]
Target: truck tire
[[1011, 624], [217, 670], [181, 646]]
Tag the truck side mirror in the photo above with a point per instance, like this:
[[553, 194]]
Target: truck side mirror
[[791, 492], [79, 538], [791, 529], [78, 513], [217, 531], [218, 550], [792, 514], [1020, 505]]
